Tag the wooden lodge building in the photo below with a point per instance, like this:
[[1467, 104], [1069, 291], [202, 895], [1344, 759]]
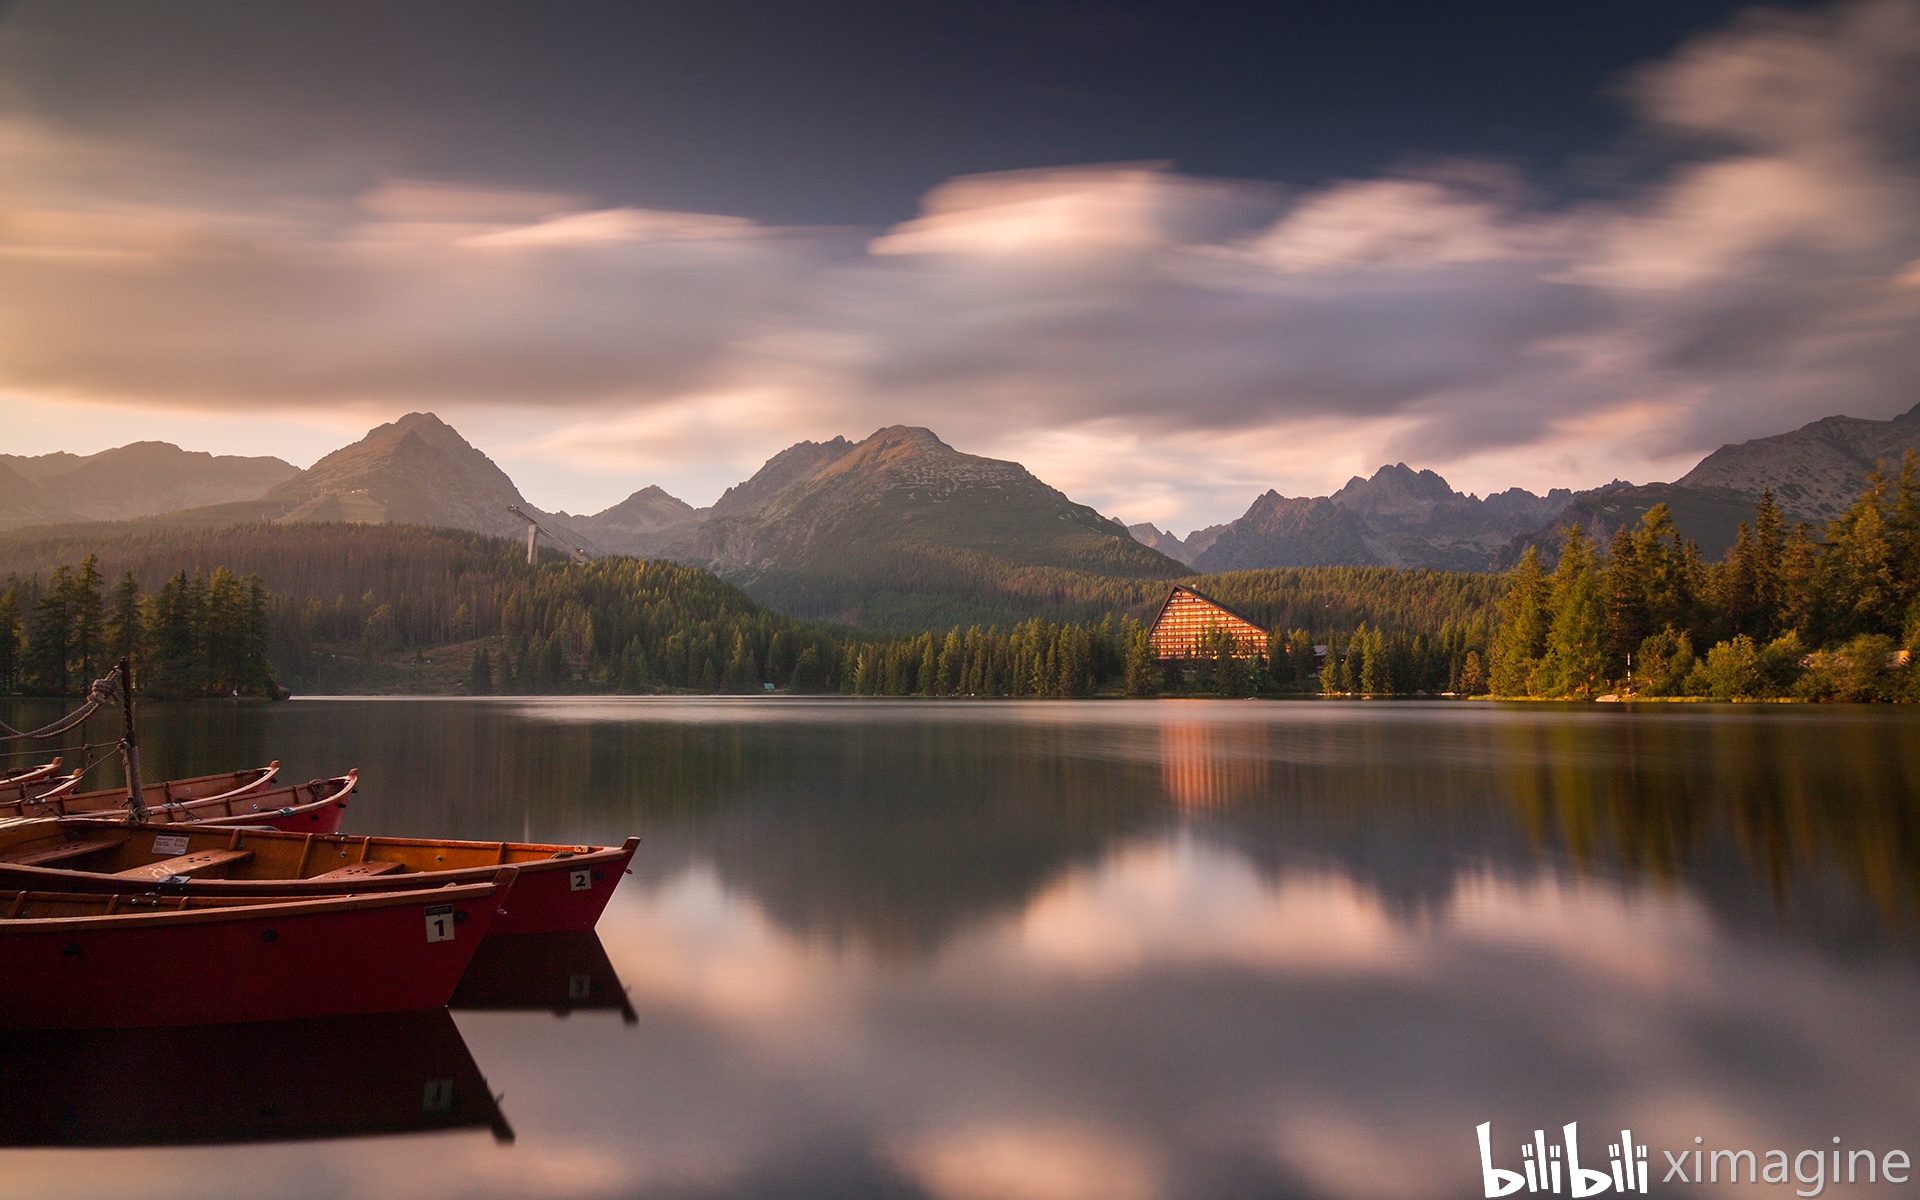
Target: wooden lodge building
[[1186, 618]]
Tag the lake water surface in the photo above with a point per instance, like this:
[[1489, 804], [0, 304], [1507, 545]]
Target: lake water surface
[[1052, 951]]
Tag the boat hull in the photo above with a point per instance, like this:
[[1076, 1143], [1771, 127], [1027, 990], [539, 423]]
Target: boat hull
[[264, 962], [550, 894], [321, 816], [57, 798], [315, 807]]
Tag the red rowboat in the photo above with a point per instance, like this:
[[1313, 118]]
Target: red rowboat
[[93, 962], [60, 800], [560, 888], [307, 808], [269, 1081]]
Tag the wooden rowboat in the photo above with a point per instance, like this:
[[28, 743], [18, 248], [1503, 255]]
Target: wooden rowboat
[[12, 791], [57, 798], [306, 808], [92, 962], [561, 888], [272, 1081], [23, 775]]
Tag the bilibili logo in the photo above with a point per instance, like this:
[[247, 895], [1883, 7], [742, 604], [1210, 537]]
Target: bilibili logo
[[1545, 1170], [1556, 1168]]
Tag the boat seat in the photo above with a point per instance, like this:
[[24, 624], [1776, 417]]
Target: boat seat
[[361, 870], [61, 852], [197, 863]]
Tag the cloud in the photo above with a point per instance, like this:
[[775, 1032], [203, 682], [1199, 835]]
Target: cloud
[[1756, 274]]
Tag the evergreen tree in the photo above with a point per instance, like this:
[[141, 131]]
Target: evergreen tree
[[1522, 636], [124, 629], [741, 675], [50, 637], [809, 675], [1142, 669], [10, 634], [1473, 676], [1668, 568], [88, 613], [1858, 576], [1576, 657], [1625, 590], [480, 672]]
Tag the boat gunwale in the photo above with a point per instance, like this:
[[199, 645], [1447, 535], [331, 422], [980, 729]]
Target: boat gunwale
[[220, 913], [180, 812], [98, 883]]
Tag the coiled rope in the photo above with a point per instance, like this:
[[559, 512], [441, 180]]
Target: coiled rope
[[103, 692]]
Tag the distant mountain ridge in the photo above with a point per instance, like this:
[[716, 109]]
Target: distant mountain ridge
[[1816, 471], [1398, 518], [1177, 548], [414, 471], [842, 529], [141, 479]]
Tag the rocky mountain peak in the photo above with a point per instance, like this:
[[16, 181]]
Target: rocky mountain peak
[[782, 471], [1817, 470], [1396, 489]]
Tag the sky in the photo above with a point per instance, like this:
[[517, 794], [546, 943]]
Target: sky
[[1168, 256]]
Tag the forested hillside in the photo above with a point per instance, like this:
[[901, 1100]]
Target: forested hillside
[[401, 608], [1786, 612]]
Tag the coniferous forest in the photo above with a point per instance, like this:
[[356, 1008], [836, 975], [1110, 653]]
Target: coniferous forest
[[1789, 613]]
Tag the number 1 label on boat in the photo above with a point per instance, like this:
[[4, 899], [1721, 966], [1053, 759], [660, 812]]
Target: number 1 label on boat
[[440, 923], [579, 881]]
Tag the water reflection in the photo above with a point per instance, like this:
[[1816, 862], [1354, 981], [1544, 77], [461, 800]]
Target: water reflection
[[1130, 950], [1207, 764], [268, 1082], [554, 972]]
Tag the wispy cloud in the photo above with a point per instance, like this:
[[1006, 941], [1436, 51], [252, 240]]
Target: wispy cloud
[[1117, 327]]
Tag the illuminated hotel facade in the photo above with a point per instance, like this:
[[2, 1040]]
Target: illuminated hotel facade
[[1187, 618]]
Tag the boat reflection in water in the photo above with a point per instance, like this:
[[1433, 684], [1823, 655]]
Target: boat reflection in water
[[266, 1082], [557, 972]]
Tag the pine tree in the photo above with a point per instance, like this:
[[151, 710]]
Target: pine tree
[[1667, 569], [1625, 590], [1858, 568], [50, 637], [1522, 635], [1576, 658], [741, 674], [480, 672], [929, 675], [10, 633], [1142, 678], [1473, 676], [124, 628], [1769, 559], [89, 617]]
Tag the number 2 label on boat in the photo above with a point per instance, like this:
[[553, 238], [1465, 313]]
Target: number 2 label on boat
[[579, 881], [440, 923]]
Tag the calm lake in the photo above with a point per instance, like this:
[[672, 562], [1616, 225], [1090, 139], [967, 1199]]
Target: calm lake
[[1052, 951]]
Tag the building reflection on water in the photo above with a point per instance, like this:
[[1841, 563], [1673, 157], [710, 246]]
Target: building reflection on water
[[1204, 765]]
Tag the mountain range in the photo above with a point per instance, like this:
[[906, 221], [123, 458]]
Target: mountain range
[[1407, 518], [141, 479], [833, 506], [855, 531]]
